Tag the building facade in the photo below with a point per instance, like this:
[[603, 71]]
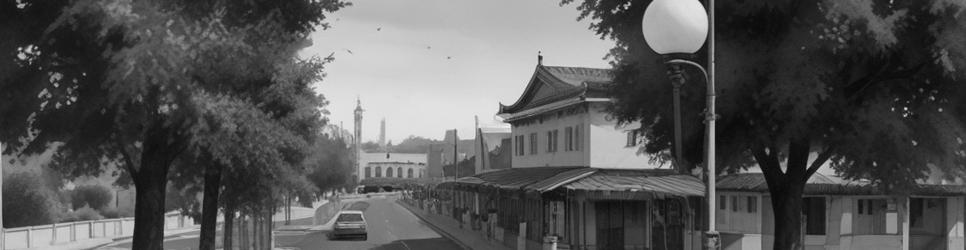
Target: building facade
[[576, 176], [560, 120], [392, 165]]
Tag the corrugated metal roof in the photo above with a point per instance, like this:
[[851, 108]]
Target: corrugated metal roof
[[560, 179], [683, 185], [544, 179]]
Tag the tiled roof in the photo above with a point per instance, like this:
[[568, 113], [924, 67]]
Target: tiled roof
[[820, 184], [563, 83], [577, 76], [388, 181]]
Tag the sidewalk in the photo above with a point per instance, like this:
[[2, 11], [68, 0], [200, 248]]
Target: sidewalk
[[450, 228], [297, 214]]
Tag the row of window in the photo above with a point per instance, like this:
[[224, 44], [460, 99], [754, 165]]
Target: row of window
[[925, 214], [399, 172], [572, 141]]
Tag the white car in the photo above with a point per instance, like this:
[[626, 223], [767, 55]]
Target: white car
[[350, 223]]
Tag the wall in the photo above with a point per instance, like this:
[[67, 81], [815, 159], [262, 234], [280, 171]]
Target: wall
[[366, 158], [63, 233], [607, 143], [417, 168], [954, 223], [558, 120]]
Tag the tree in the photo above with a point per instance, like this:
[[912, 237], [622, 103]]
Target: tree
[[371, 147], [129, 82], [330, 166], [93, 196], [414, 145], [35, 203], [803, 84]]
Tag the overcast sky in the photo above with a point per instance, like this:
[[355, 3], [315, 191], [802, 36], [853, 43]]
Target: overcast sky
[[431, 65]]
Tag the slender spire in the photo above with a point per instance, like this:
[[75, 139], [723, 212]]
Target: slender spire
[[539, 58]]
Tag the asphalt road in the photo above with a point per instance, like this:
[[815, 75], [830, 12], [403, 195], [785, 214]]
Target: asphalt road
[[390, 227]]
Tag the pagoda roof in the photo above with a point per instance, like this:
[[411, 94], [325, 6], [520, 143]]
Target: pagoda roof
[[556, 84]]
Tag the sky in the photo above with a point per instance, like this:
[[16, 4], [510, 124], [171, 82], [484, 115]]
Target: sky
[[428, 66]]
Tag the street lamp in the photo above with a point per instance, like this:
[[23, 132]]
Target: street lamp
[[676, 29]]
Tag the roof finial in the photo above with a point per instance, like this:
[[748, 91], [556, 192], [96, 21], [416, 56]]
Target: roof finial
[[539, 58]]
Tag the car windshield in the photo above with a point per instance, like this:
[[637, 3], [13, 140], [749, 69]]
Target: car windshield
[[350, 218]]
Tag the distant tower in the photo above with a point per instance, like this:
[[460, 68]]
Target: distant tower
[[382, 134], [357, 139]]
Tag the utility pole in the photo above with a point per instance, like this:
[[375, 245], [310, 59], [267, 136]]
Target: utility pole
[[456, 142], [2, 246]]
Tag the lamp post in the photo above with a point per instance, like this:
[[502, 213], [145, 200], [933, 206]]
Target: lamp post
[[676, 29]]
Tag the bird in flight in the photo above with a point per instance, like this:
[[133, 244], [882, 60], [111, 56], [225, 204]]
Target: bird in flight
[[378, 29], [350, 51], [429, 47], [449, 57]]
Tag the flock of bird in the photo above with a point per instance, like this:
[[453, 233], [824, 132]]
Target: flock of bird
[[380, 29]]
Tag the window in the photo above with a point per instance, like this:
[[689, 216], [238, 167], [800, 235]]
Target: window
[[735, 204], [569, 139], [520, 149], [555, 133], [368, 172], [632, 136], [552, 140], [722, 202], [399, 172], [752, 204], [577, 139], [814, 211], [389, 172], [409, 173], [350, 218], [533, 143], [378, 171]]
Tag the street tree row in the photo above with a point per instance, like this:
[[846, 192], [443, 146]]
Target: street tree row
[[168, 91]]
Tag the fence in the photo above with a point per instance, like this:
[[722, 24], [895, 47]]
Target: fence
[[62, 233]]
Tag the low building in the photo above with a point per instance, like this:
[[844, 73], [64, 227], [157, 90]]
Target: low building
[[582, 207], [394, 165], [841, 214]]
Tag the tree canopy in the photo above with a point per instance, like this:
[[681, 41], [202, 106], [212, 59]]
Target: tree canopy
[[139, 83], [802, 84]]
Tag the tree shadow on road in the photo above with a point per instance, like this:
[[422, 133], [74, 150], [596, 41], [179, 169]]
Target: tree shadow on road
[[431, 243]]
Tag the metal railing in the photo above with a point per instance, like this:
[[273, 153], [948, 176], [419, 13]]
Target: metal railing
[[64, 233]]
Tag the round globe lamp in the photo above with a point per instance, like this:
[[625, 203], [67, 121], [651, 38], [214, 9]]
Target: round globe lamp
[[675, 26]]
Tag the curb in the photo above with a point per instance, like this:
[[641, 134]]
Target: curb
[[434, 227]]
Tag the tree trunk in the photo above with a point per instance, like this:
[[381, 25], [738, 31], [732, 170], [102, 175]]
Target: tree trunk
[[256, 230], [243, 233], [150, 182], [268, 228], [209, 213], [228, 227], [787, 207]]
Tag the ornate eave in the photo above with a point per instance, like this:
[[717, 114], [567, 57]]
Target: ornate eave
[[561, 90]]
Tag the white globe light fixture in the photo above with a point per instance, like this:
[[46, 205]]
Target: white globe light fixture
[[675, 26]]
